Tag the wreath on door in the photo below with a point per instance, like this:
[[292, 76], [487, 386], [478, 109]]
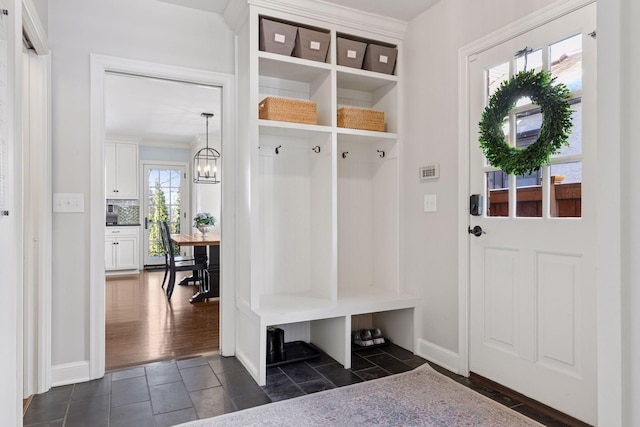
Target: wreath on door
[[554, 132]]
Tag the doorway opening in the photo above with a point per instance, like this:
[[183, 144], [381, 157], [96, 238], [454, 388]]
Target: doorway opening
[[161, 118]]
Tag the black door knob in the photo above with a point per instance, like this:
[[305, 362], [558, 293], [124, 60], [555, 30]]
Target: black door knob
[[476, 231]]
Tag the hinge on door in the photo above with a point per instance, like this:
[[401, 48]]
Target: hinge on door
[[185, 175]]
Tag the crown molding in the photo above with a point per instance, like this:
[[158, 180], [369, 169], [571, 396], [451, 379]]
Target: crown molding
[[319, 10], [236, 12], [123, 138]]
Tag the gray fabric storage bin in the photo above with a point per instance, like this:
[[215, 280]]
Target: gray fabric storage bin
[[277, 37], [381, 59], [311, 44], [350, 52]]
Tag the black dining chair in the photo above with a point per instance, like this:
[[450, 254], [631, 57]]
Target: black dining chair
[[165, 248], [197, 266]]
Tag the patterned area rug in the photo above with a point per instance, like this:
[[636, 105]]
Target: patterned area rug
[[422, 397]]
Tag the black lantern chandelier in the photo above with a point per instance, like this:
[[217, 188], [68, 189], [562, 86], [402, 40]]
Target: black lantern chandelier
[[205, 162]]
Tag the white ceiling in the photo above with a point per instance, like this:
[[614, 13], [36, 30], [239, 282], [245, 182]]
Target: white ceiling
[[160, 112], [404, 10]]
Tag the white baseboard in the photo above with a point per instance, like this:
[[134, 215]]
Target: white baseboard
[[250, 367], [70, 373], [439, 355]]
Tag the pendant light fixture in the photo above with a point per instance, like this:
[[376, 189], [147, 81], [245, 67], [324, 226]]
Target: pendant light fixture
[[205, 162]]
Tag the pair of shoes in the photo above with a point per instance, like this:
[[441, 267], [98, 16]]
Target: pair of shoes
[[376, 335], [367, 337], [363, 338], [275, 345]]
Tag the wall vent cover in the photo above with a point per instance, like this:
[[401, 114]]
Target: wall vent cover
[[430, 172]]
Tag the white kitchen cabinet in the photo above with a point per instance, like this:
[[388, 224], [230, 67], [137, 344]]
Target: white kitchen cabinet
[[121, 175], [121, 249], [319, 221]]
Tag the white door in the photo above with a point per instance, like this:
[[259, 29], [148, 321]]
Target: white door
[[165, 199], [532, 275], [10, 217]]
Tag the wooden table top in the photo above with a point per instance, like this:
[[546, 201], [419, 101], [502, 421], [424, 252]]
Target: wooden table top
[[196, 239]]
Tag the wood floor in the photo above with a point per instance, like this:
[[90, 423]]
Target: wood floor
[[142, 326]]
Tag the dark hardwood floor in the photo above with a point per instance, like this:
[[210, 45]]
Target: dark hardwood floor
[[143, 327]]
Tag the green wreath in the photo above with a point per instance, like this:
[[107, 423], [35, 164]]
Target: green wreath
[[556, 122]]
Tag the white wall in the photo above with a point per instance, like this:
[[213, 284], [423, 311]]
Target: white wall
[[207, 197], [145, 30], [630, 202], [42, 6], [430, 250]]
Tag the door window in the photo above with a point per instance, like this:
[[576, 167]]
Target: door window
[[529, 196], [164, 195]]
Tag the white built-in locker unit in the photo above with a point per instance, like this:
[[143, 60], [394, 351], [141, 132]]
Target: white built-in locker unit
[[318, 214]]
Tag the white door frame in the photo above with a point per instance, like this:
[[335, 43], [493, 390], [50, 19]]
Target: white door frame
[[100, 65], [37, 238], [609, 392], [37, 226]]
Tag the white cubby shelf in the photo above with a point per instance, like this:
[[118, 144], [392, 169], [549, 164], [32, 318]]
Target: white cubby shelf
[[320, 207]]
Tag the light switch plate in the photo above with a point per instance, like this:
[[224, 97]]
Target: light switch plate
[[68, 202], [430, 203]]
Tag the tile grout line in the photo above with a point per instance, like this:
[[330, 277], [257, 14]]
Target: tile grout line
[[66, 412]]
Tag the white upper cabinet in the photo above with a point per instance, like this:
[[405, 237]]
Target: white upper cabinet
[[121, 175]]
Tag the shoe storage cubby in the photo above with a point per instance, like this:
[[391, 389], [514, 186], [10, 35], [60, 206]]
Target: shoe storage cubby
[[318, 211]]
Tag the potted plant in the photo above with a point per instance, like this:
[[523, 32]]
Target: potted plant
[[204, 222]]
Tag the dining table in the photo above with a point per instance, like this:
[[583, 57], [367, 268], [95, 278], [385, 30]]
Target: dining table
[[200, 244]]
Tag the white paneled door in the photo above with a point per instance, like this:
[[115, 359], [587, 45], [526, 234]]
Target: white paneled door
[[532, 268]]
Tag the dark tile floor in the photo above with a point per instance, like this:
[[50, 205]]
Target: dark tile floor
[[168, 393]]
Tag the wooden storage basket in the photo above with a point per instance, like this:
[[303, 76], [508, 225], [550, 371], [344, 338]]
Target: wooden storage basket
[[361, 118], [288, 110]]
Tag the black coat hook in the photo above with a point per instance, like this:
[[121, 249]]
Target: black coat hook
[[344, 154], [381, 153], [316, 149], [278, 149]]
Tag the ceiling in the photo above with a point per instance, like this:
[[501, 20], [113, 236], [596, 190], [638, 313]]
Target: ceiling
[[162, 112], [404, 10], [159, 112]]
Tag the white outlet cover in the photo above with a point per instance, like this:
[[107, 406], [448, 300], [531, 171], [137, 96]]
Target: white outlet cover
[[430, 203]]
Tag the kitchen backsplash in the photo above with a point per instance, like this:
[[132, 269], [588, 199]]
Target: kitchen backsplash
[[128, 211]]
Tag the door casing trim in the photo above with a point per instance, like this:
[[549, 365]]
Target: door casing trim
[[99, 66]]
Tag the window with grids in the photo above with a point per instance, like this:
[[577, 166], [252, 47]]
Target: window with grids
[[564, 174]]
